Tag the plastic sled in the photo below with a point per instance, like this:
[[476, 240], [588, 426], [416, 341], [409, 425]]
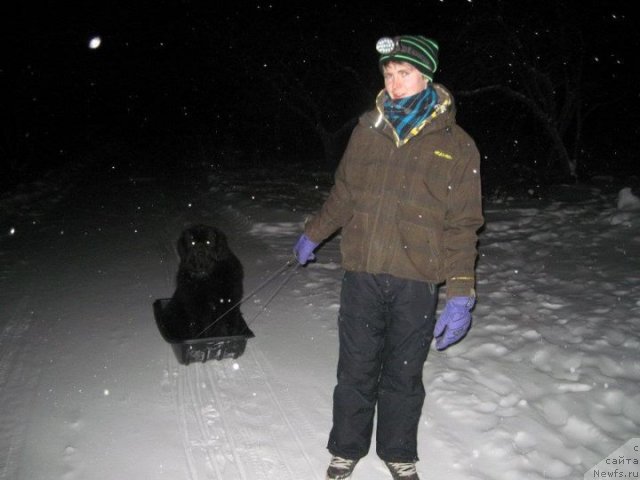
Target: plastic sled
[[199, 349]]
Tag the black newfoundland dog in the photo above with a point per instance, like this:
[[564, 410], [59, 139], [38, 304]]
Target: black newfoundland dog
[[208, 288]]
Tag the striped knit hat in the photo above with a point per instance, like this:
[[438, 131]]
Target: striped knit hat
[[419, 51]]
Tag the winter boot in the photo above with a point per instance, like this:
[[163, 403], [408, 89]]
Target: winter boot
[[340, 468], [403, 471]]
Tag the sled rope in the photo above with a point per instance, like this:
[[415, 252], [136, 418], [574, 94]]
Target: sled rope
[[276, 291], [254, 291]]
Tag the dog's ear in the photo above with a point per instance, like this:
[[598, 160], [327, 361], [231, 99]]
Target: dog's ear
[[220, 242], [184, 243]]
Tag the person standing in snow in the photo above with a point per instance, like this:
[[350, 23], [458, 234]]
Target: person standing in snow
[[407, 198]]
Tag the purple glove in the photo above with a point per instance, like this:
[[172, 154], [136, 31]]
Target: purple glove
[[304, 249], [454, 321]]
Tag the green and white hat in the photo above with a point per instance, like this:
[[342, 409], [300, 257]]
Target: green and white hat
[[419, 51]]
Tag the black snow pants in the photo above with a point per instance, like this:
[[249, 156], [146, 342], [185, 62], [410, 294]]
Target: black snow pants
[[385, 328]]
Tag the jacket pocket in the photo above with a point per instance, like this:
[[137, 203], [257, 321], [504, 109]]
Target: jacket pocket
[[421, 233]]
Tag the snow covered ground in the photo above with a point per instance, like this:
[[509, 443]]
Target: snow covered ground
[[546, 384]]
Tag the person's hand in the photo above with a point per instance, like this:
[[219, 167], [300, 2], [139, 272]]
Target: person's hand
[[454, 321], [304, 249]]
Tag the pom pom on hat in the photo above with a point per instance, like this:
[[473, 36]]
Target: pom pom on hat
[[419, 51]]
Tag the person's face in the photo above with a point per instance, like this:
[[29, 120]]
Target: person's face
[[401, 79]]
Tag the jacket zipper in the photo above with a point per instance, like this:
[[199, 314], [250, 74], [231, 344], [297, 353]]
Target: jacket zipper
[[381, 200]]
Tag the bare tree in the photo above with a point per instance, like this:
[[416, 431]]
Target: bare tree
[[535, 59], [315, 104], [309, 80]]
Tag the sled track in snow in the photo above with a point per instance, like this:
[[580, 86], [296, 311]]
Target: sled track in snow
[[16, 369], [228, 434]]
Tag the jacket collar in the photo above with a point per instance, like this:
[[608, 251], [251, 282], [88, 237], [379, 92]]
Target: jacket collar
[[442, 116]]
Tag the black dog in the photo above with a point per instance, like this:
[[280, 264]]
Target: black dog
[[208, 287]]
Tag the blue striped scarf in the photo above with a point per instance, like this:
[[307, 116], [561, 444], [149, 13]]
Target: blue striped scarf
[[408, 112]]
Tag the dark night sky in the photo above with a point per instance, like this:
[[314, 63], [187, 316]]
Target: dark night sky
[[238, 72]]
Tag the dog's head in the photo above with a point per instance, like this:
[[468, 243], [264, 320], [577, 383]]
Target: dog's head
[[200, 247]]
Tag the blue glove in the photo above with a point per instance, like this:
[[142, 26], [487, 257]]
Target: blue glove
[[454, 321], [304, 249]]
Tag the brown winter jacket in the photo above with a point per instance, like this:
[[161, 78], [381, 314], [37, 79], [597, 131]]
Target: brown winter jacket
[[413, 210]]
